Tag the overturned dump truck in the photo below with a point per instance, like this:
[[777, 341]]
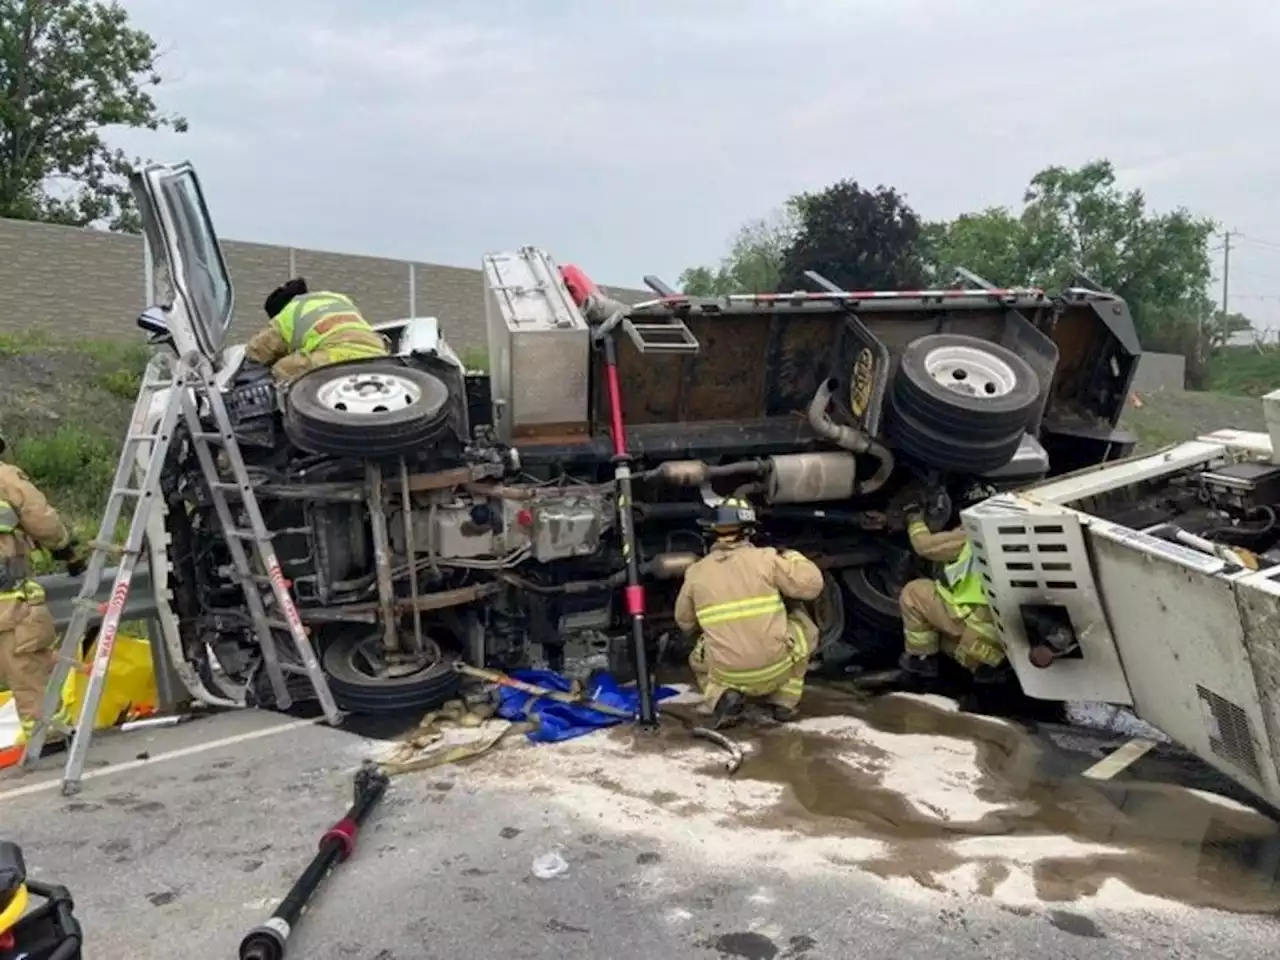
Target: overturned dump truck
[[1152, 582], [548, 507]]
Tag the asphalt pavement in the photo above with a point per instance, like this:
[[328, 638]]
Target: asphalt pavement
[[183, 838]]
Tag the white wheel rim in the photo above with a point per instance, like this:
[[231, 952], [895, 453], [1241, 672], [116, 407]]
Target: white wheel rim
[[367, 393], [970, 371]]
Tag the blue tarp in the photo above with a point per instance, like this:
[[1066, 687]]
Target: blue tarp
[[555, 721]]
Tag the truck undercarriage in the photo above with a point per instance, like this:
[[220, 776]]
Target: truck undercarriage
[[424, 512]]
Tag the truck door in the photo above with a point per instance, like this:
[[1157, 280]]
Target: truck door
[[201, 300]]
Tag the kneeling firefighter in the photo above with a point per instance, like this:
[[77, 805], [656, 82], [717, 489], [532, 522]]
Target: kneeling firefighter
[[949, 614], [310, 330], [751, 645]]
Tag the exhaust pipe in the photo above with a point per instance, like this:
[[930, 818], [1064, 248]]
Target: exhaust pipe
[[850, 438]]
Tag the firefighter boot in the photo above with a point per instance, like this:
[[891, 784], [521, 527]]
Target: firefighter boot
[[922, 667], [785, 714], [728, 710]]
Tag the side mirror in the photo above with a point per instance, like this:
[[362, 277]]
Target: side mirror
[[153, 322]]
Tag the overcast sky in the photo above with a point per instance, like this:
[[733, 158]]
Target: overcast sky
[[635, 137]]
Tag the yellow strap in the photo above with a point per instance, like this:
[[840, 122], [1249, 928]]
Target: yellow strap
[[12, 913]]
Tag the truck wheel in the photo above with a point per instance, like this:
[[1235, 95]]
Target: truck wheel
[[872, 601], [366, 409], [363, 684], [949, 449], [965, 387]]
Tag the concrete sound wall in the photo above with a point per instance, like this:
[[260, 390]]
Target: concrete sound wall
[[93, 284], [1160, 371]]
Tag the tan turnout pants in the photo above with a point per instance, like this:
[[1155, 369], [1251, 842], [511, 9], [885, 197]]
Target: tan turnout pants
[[28, 641], [782, 683], [932, 625]]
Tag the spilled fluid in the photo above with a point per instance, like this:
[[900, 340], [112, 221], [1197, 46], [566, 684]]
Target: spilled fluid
[[1163, 840]]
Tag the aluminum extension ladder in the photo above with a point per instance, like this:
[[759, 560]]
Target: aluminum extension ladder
[[188, 381]]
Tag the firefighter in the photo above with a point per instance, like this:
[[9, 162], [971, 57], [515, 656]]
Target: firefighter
[[751, 645], [28, 636], [309, 330], [950, 613]]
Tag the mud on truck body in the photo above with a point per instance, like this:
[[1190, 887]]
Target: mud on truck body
[[423, 511]]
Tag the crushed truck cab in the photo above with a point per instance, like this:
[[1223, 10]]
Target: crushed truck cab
[[1155, 583], [424, 513]]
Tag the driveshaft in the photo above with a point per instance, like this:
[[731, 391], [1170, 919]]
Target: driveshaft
[[270, 940]]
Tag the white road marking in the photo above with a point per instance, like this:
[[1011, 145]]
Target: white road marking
[[198, 748], [1109, 766]]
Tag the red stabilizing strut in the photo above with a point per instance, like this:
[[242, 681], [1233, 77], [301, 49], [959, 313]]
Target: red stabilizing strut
[[634, 593], [617, 429], [579, 284]]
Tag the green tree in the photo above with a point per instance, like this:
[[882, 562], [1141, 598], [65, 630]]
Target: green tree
[[859, 239], [1079, 220], [753, 262], [69, 69]]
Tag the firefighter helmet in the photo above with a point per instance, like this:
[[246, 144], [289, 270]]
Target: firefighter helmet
[[731, 516]]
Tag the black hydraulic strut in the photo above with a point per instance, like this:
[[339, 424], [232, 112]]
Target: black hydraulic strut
[[269, 941], [634, 592]]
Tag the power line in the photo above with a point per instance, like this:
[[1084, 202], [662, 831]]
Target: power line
[[1250, 239]]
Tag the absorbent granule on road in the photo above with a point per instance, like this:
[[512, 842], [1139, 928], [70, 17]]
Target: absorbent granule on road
[[675, 792], [908, 790]]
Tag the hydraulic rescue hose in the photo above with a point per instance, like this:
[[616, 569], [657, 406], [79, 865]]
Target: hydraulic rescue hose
[[269, 941], [634, 590]]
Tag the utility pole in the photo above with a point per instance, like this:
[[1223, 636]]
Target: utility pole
[[1226, 271]]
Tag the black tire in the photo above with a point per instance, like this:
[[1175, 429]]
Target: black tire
[[870, 603], [358, 692], [832, 632], [977, 390], [319, 424], [949, 449]]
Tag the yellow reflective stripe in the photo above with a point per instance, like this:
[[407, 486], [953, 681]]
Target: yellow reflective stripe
[[740, 609], [284, 321], [917, 527], [9, 519], [983, 628], [354, 344], [317, 335], [921, 641], [30, 591], [976, 648], [792, 688], [753, 678], [800, 643]]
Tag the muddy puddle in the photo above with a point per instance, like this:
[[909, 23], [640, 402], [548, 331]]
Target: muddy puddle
[[945, 791]]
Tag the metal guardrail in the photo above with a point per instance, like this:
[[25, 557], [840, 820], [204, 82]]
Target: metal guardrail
[[61, 590]]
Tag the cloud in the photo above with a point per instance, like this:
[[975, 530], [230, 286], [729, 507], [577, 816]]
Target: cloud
[[634, 137]]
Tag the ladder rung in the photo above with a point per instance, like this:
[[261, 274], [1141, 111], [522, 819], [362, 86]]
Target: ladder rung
[[243, 534], [128, 492], [208, 436], [225, 485], [140, 437], [115, 549]]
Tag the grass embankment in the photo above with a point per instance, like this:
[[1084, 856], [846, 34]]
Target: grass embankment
[[65, 409]]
